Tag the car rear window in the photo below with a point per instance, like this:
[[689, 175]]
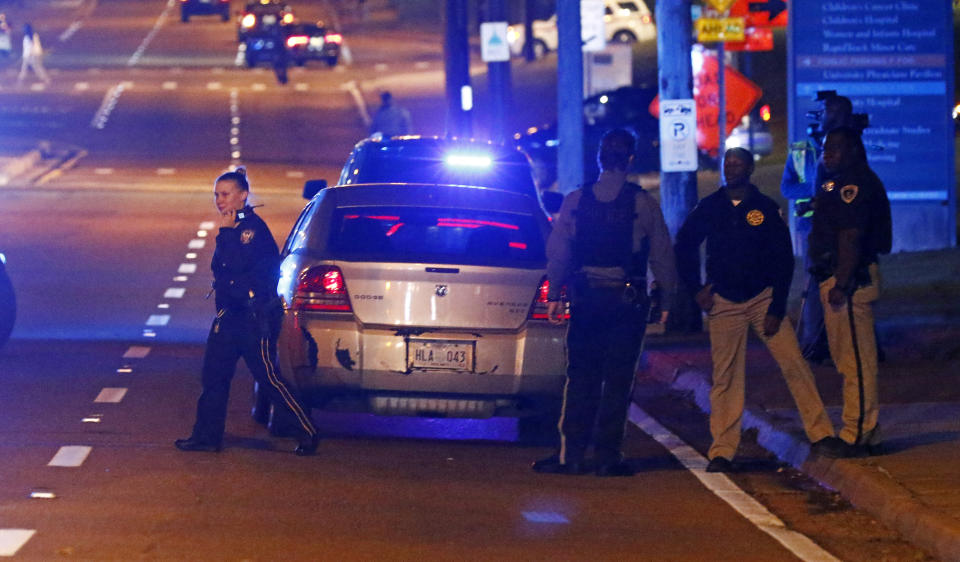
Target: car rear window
[[436, 235], [426, 164]]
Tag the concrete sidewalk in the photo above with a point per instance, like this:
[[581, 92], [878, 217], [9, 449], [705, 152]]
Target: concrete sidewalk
[[914, 486]]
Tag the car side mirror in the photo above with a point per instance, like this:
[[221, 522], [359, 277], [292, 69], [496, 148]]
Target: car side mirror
[[551, 201], [312, 187]]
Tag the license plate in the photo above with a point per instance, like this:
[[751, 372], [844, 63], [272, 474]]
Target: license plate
[[441, 354], [269, 19]]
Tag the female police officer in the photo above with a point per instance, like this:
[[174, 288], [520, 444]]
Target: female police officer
[[245, 269]]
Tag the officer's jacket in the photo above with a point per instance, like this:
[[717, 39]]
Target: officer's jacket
[[852, 199], [649, 229], [748, 248], [246, 264]]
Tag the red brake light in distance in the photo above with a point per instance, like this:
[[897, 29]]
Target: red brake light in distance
[[322, 288], [538, 310], [295, 40], [333, 38], [765, 112]]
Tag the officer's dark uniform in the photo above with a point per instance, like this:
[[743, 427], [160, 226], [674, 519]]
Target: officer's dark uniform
[[246, 265], [599, 250], [852, 199], [749, 267]]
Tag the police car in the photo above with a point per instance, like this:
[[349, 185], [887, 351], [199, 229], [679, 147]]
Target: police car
[[204, 7], [8, 303], [435, 160], [421, 300]]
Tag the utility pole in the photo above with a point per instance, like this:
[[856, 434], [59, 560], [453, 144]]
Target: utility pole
[[500, 82], [678, 190], [570, 96], [456, 56], [528, 53]]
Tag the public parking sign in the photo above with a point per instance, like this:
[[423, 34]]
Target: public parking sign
[[678, 136], [493, 41]]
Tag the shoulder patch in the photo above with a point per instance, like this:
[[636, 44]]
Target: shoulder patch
[[755, 217], [246, 236], [828, 185], [849, 192]]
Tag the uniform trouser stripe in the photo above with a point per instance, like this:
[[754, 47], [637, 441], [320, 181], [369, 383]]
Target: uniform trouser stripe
[[856, 355], [288, 398]]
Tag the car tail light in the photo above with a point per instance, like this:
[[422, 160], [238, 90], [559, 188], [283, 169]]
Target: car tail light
[[765, 112], [248, 20], [297, 40], [538, 310], [322, 288], [646, 19], [333, 38]]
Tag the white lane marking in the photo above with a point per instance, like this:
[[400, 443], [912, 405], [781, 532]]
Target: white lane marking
[[196, 244], [163, 305], [217, 70], [187, 268], [148, 333], [92, 418], [301, 86], [239, 59], [103, 171], [214, 85], [110, 99], [12, 539], [294, 174], [174, 293], [111, 395], [380, 67], [169, 85], [136, 352], [235, 151], [422, 65], [68, 33], [125, 370], [158, 320], [38, 87], [135, 58], [42, 495], [190, 255], [81, 86], [207, 225], [166, 171], [258, 87], [181, 278], [800, 545], [201, 233], [357, 95], [70, 455]]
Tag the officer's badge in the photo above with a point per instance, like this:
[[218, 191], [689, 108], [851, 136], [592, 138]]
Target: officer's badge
[[246, 236], [848, 193], [755, 218], [828, 185]]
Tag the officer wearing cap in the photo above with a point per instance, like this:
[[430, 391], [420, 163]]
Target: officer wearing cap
[[851, 228], [599, 248], [749, 269]]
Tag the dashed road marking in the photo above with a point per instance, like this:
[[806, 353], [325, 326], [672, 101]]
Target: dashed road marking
[[163, 305], [190, 255], [136, 352], [258, 87], [169, 85], [196, 244], [422, 65], [174, 293], [718, 483], [301, 86], [81, 86], [166, 171], [207, 225], [181, 278], [11, 540], [135, 58], [111, 395], [214, 85], [187, 268], [70, 455], [110, 99], [380, 67], [103, 171], [294, 174], [235, 151], [158, 320], [68, 33], [38, 87]]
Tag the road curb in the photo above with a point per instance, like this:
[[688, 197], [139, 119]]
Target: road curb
[[863, 485]]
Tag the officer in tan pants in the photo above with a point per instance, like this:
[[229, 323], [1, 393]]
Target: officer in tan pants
[[749, 268], [851, 228]]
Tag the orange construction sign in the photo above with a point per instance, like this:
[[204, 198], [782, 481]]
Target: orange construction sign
[[741, 95]]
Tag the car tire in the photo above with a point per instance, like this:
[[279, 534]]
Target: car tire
[[260, 408], [225, 16], [331, 61], [8, 307], [540, 49], [184, 16], [539, 430], [300, 62], [250, 60], [624, 37]]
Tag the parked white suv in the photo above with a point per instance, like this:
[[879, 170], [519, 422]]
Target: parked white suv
[[625, 21], [422, 300]]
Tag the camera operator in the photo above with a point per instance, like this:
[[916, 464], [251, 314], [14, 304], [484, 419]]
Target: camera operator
[[801, 176]]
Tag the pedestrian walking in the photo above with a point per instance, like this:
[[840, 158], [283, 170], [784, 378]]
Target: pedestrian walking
[[851, 227], [748, 272], [246, 269], [391, 119], [6, 43], [601, 243], [32, 56]]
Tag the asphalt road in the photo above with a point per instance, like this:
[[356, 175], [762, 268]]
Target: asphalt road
[[110, 259]]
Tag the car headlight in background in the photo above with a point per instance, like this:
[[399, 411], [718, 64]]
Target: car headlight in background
[[512, 35], [3, 258], [248, 21], [468, 160], [956, 111]]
